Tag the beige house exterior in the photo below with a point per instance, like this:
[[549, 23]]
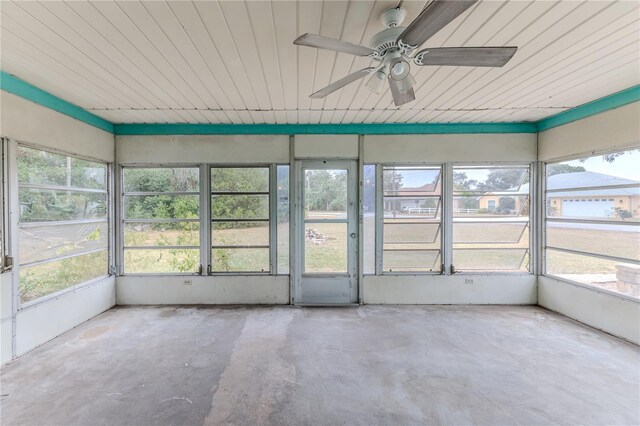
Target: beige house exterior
[[621, 200]]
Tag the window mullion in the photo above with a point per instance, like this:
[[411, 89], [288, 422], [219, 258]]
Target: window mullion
[[273, 220], [379, 219], [205, 219]]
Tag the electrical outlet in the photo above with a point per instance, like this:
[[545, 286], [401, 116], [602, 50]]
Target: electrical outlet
[[469, 281], [188, 282]]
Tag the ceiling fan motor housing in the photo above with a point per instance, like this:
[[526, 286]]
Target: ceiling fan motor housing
[[385, 40]]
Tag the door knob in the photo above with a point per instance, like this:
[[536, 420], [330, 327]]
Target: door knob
[[353, 235]]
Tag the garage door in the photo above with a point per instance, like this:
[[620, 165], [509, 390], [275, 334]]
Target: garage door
[[587, 208]]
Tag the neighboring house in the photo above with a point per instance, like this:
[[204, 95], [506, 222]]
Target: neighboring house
[[600, 202], [408, 203]]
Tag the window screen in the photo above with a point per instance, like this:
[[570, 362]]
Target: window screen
[[592, 229], [161, 220], [411, 219], [63, 232], [240, 219], [491, 218]]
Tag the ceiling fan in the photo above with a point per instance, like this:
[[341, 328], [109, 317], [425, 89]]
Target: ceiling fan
[[394, 49]]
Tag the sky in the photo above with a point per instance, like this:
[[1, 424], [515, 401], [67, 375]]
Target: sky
[[626, 166]]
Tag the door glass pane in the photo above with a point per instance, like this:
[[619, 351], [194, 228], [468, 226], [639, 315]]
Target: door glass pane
[[325, 194], [325, 248]]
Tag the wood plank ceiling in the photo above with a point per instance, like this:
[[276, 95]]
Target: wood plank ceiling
[[234, 61]]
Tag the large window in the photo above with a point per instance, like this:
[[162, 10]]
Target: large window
[[411, 219], [592, 230], [63, 234], [491, 219], [161, 220], [240, 218]]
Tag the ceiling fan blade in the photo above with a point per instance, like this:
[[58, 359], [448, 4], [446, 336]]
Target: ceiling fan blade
[[400, 97], [341, 83], [432, 19], [322, 42], [465, 56]]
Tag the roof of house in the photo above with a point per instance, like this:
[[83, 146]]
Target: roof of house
[[424, 190], [585, 179]]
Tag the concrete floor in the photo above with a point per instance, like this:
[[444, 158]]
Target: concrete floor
[[371, 365]]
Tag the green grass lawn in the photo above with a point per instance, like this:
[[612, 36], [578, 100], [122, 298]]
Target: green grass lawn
[[330, 254]]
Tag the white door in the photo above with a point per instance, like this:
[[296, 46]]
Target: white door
[[326, 233]]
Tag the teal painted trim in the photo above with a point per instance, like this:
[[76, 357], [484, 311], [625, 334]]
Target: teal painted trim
[[323, 129], [18, 87], [607, 103], [12, 84]]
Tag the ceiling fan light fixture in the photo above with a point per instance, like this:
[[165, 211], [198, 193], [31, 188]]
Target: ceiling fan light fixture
[[377, 81], [399, 69]]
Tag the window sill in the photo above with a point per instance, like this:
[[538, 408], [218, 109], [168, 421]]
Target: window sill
[[594, 288], [58, 294]]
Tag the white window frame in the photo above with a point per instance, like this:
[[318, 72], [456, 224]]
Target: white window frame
[[121, 220], [544, 219], [272, 220], [108, 220], [533, 205], [379, 220]]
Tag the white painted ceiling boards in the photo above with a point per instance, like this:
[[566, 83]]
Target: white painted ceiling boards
[[234, 61]]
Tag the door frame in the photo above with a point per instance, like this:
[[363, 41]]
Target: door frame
[[299, 277]]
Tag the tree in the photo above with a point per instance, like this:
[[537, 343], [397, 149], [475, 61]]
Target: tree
[[461, 182], [502, 180], [325, 190], [506, 203]]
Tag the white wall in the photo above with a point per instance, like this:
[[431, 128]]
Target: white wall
[[5, 317], [493, 289], [164, 290], [496, 289], [326, 146], [604, 311], [610, 130], [30, 123], [614, 129], [39, 323], [195, 149], [516, 147]]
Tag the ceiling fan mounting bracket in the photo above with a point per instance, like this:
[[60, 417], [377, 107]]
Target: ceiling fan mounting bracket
[[393, 17]]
